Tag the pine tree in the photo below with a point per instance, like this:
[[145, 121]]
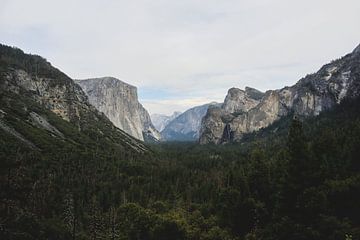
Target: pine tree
[[70, 217], [297, 154]]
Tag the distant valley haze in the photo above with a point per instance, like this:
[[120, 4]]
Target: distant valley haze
[[181, 54]]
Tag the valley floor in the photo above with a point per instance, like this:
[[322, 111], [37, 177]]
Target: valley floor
[[301, 181]]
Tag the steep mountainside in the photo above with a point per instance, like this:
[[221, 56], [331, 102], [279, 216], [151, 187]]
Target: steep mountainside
[[186, 126], [119, 102], [38, 98], [244, 113], [160, 121], [66, 172]]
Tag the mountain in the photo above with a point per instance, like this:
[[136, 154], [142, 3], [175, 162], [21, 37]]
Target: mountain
[[186, 126], [250, 110], [160, 121], [66, 172], [119, 102], [42, 108]]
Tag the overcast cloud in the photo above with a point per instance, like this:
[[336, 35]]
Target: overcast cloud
[[184, 53]]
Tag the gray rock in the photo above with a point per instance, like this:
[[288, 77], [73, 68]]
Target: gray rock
[[64, 98], [17, 135], [42, 122], [186, 126], [357, 49], [238, 101], [119, 102], [250, 110]]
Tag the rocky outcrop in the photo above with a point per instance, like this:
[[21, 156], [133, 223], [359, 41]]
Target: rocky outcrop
[[249, 110], [64, 97], [41, 122], [119, 102], [32, 83], [17, 135], [186, 126], [238, 101], [160, 121]]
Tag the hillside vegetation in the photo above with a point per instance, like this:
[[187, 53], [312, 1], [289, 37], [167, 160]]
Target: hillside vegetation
[[296, 179]]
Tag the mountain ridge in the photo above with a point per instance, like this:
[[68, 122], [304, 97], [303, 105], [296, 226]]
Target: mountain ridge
[[160, 121], [186, 126], [36, 87], [308, 97]]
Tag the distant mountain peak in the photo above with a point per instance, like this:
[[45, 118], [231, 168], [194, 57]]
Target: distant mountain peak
[[357, 49], [250, 110], [160, 121], [186, 126], [254, 93]]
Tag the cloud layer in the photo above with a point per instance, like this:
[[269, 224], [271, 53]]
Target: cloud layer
[[182, 53]]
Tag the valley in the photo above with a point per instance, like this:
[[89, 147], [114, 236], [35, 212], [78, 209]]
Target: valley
[[82, 159]]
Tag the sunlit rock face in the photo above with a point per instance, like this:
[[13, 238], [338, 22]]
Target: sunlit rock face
[[249, 110], [119, 102]]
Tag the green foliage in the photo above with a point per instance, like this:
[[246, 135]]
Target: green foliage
[[293, 180], [306, 185], [33, 64]]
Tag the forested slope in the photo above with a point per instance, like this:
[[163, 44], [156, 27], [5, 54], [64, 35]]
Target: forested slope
[[77, 179], [306, 185]]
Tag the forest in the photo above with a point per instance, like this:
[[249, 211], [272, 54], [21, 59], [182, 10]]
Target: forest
[[296, 179], [179, 120]]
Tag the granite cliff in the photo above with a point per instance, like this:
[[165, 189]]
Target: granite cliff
[[35, 95], [250, 110], [119, 102]]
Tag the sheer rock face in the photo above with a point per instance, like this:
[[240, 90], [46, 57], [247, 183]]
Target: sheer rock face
[[119, 102], [186, 126], [249, 110], [238, 100], [54, 91]]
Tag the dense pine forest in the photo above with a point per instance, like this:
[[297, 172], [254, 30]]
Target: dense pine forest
[[179, 120], [297, 179]]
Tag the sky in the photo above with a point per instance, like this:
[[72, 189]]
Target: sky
[[184, 53]]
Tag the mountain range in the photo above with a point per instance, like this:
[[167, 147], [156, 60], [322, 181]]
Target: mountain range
[[161, 120], [243, 111], [246, 111], [41, 106], [186, 126], [68, 172]]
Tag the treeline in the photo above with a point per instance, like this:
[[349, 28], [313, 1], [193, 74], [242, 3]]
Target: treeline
[[12, 57], [301, 181]]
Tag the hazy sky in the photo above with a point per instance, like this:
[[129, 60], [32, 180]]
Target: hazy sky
[[182, 53]]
